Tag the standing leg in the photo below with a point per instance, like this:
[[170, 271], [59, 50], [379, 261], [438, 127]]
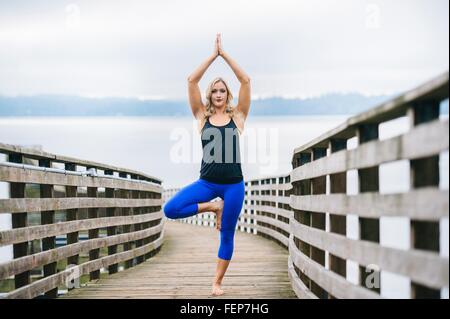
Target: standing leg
[[233, 202], [190, 200]]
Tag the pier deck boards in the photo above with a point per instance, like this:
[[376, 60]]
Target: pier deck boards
[[185, 267]]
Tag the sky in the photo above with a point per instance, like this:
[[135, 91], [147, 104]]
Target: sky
[[289, 48]]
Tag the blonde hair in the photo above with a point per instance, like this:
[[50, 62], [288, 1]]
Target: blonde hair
[[210, 109]]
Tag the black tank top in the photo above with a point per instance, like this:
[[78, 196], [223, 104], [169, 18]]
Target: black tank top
[[221, 162]]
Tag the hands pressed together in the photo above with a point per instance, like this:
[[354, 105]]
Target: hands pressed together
[[218, 50]]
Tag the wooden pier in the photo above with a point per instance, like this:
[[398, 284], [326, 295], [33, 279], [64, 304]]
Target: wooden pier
[[292, 238], [185, 267]]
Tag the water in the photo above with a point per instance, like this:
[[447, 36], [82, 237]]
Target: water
[[169, 149]]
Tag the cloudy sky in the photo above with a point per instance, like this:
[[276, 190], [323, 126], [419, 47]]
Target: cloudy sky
[[291, 48]]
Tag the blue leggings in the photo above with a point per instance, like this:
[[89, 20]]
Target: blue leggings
[[185, 204]]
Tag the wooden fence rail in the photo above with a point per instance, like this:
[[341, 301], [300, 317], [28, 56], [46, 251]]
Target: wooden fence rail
[[320, 247], [52, 196]]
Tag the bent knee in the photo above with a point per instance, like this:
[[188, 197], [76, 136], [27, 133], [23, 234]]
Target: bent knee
[[170, 210]]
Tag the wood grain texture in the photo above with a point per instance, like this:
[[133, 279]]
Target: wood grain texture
[[185, 268], [38, 154]]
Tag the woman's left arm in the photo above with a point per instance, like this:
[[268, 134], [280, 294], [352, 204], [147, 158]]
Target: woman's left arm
[[245, 89]]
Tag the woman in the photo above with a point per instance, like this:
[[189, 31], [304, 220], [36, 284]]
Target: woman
[[220, 125]]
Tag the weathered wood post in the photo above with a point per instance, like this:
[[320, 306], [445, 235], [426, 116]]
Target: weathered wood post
[[126, 211], [112, 230], [424, 172], [92, 192], [71, 215], [303, 187], [48, 217], [17, 190], [338, 223], [318, 219], [369, 228]]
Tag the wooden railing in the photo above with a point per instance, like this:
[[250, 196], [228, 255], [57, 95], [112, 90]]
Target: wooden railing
[[266, 208], [54, 196], [309, 211], [320, 248]]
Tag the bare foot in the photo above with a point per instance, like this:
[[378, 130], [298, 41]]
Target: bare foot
[[216, 290], [218, 211]]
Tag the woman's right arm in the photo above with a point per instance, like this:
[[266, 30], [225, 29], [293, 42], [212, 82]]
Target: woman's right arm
[[195, 98]]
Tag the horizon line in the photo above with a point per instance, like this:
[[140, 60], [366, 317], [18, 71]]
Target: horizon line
[[168, 99]]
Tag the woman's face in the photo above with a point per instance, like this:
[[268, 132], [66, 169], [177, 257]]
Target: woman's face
[[219, 95]]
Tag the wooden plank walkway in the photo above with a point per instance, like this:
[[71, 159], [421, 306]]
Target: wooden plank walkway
[[185, 268]]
